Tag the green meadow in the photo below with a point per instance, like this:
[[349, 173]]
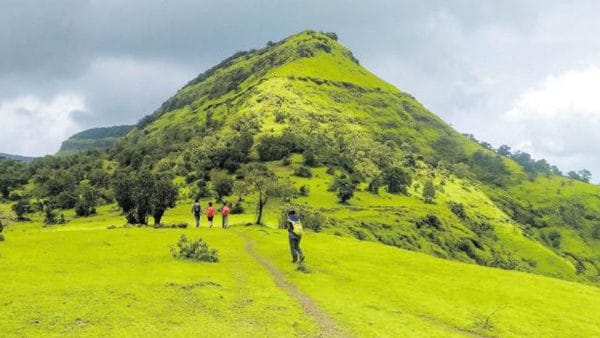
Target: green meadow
[[87, 278]]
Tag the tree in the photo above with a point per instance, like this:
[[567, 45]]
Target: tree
[[585, 175], [397, 180], [87, 199], [429, 192], [164, 197], [344, 188], [267, 186], [143, 193], [22, 208], [504, 150], [222, 184]]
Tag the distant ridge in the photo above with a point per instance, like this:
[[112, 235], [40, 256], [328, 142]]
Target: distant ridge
[[95, 138], [17, 157]]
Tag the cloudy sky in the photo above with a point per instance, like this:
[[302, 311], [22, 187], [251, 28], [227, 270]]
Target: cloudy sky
[[516, 72]]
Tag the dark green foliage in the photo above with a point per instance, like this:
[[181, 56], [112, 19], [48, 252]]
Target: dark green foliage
[[397, 180], [458, 209], [87, 200], [286, 161], [482, 228], [344, 188], [571, 213], [302, 171], [237, 208], [304, 190], [553, 238], [12, 176], [222, 184], [95, 138], [50, 217], [428, 192], [274, 147], [582, 175], [430, 220], [489, 168], [596, 231], [195, 250], [525, 215], [142, 193], [449, 149], [22, 208]]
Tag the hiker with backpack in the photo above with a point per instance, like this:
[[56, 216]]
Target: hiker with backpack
[[295, 232], [197, 212], [210, 213], [225, 215]]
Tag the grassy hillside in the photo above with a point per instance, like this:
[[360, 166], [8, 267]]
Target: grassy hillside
[[95, 138], [84, 279], [17, 157], [308, 95]]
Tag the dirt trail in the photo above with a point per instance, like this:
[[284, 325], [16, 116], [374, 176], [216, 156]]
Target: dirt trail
[[327, 326]]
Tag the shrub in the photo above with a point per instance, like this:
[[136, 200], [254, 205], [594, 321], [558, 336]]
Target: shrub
[[272, 148], [431, 220], [458, 209], [596, 231], [311, 218], [286, 161], [303, 171], [330, 171], [222, 184], [344, 188], [428, 192], [237, 208], [196, 250], [553, 238], [304, 190], [22, 208], [397, 180], [1, 238]]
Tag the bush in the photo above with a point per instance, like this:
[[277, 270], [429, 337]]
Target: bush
[[428, 192], [22, 208], [397, 179], [344, 188], [1, 238], [596, 231], [196, 250], [237, 208], [431, 220], [311, 218], [272, 148], [286, 161], [458, 209], [222, 184], [553, 238], [304, 190], [303, 171]]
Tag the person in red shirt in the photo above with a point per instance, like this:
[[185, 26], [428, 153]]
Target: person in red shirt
[[225, 215], [210, 213]]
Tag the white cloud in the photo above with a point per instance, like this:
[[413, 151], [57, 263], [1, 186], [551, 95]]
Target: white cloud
[[570, 95], [558, 119], [34, 126]]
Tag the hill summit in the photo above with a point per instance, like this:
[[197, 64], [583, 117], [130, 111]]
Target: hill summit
[[371, 159]]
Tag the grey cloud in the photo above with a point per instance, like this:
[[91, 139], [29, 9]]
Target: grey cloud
[[465, 60]]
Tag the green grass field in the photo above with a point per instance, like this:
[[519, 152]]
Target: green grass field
[[83, 279]]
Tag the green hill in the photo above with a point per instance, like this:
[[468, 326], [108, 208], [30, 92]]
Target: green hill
[[308, 95], [95, 138]]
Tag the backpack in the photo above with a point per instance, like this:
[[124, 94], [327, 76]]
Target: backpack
[[196, 209], [225, 211], [210, 212], [297, 228]]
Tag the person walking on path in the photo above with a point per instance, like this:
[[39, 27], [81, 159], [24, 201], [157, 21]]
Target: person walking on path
[[210, 213], [295, 233], [197, 212], [225, 215]]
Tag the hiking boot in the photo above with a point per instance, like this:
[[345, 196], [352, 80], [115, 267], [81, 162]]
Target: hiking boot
[[301, 259]]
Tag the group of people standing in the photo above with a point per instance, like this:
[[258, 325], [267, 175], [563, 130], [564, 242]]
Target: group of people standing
[[293, 225], [210, 212]]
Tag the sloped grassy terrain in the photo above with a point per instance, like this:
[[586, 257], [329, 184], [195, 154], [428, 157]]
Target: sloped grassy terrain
[[84, 279], [308, 95]]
